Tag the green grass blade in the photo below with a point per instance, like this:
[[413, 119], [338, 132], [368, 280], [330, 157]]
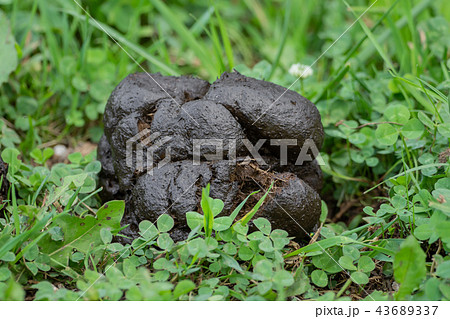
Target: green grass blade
[[437, 94], [239, 207], [28, 247], [418, 9], [23, 237], [38, 191], [200, 51], [208, 217], [244, 220], [15, 210], [121, 39], [374, 41], [71, 200], [334, 81], [87, 197], [351, 53], [322, 245], [380, 249], [418, 168], [217, 47], [200, 24]]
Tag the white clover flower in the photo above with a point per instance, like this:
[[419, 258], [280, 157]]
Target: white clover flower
[[300, 70]]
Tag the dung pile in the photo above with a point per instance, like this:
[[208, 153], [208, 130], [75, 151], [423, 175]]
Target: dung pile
[[167, 137], [4, 185]]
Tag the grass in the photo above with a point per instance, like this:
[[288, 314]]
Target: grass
[[383, 94]]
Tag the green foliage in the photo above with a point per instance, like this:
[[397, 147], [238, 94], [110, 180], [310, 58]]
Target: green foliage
[[83, 235], [252, 262], [8, 52], [382, 91], [409, 267]]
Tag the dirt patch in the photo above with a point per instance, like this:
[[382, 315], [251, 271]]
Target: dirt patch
[[235, 111]]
